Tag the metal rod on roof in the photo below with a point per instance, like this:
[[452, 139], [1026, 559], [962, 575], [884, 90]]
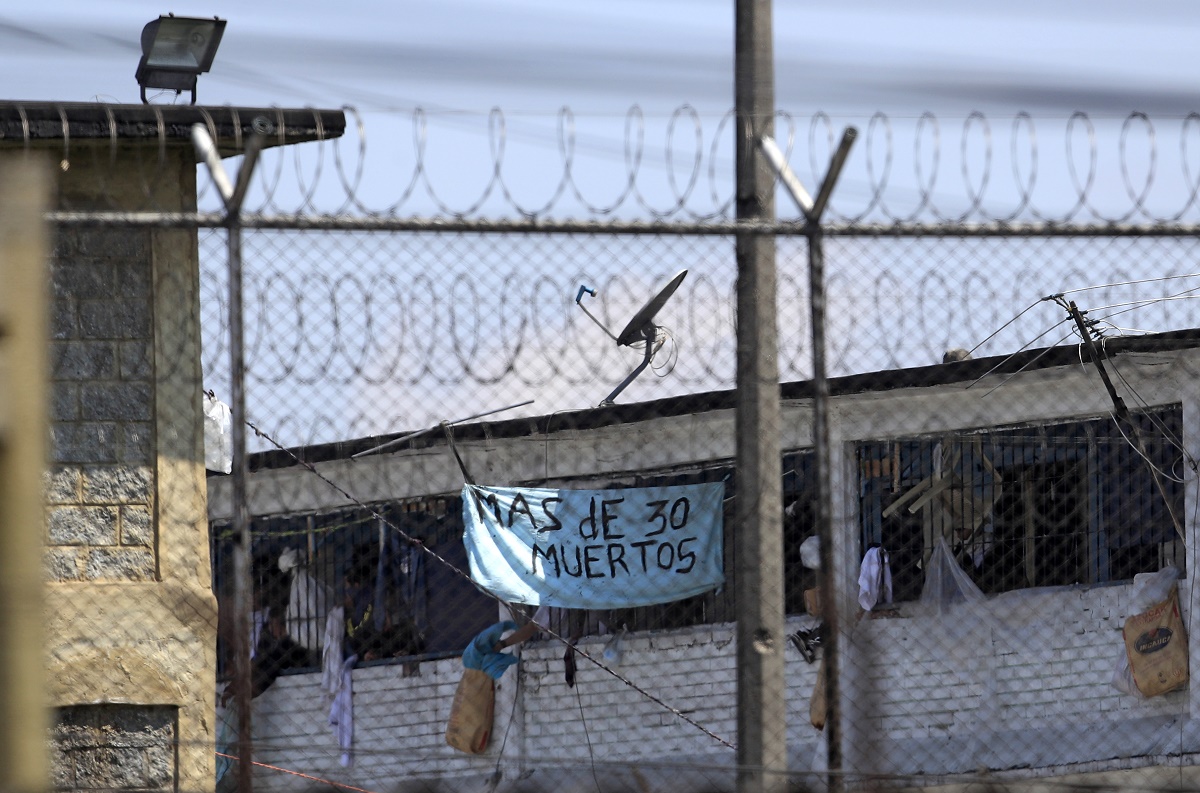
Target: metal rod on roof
[[411, 435]]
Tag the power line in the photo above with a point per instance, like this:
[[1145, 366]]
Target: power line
[[456, 571]]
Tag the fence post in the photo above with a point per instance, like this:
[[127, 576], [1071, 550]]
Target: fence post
[[24, 189], [761, 701], [232, 195]]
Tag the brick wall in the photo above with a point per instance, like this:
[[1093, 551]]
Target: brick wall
[[1025, 687], [1023, 683], [100, 487]]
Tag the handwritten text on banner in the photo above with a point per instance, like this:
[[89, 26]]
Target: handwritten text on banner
[[595, 549]]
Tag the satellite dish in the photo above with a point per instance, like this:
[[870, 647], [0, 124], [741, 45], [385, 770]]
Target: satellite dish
[[645, 316], [640, 328]]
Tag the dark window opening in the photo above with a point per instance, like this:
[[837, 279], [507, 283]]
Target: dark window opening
[[1072, 502]]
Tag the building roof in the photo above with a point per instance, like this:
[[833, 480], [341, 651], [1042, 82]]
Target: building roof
[[36, 124], [941, 374]]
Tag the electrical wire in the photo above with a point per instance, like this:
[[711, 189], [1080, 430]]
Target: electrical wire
[[1146, 302], [1149, 463], [668, 340], [1006, 324], [1025, 366], [1175, 440], [330, 782], [1129, 283], [1022, 349], [456, 571], [587, 736], [497, 775]]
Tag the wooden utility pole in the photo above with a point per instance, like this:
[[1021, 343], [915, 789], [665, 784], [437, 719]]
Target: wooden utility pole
[[762, 708], [24, 335]]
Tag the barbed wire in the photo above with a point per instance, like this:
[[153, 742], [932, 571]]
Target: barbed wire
[[377, 326], [924, 169], [455, 571]]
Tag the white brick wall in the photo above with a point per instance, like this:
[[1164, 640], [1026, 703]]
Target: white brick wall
[[1027, 688]]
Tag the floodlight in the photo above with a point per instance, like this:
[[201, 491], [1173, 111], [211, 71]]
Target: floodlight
[[176, 50]]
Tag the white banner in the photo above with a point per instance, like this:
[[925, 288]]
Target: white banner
[[595, 549]]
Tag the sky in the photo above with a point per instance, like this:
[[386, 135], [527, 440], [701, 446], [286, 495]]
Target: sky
[[535, 56], [455, 60]]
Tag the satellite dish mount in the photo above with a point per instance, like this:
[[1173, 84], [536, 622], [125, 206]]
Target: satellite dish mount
[[640, 328]]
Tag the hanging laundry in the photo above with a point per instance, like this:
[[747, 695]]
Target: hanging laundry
[[482, 655], [341, 713], [874, 579], [612, 651], [470, 725], [331, 652], [810, 553], [569, 666], [309, 602]]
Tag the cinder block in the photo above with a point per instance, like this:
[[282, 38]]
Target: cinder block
[[117, 484], [92, 442], [110, 564], [116, 401], [83, 360], [82, 525]]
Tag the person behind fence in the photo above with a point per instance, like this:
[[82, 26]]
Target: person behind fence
[[370, 634], [275, 652]]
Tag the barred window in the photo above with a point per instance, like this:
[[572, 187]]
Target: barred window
[[1050, 504], [400, 603]]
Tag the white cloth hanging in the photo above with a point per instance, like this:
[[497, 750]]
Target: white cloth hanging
[[331, 652], [309, 602], [874, 579], [341, 713], [218, 435]]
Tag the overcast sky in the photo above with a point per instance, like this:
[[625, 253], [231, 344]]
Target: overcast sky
[[534, 56]]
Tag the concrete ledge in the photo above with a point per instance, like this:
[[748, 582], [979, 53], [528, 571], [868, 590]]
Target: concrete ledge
[[33, 123]]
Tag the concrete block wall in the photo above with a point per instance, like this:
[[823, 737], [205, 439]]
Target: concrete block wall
[[539, 734], [130, 616], [115, 747], [101, 484], [399, 729], [1027, 688], [1029, 685], [691, 670]]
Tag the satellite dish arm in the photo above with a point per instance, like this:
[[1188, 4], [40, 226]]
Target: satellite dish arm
[[649, 331], [579, 302]]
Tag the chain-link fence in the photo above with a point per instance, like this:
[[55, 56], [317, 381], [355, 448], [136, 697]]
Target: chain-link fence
[[462, 419]]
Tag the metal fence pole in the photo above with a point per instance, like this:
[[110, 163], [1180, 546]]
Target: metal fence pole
[[243, 585], [762, 705], [831, 601], [233, 194]]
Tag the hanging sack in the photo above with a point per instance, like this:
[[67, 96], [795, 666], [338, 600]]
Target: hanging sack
[[470, 724], [1157, 647]]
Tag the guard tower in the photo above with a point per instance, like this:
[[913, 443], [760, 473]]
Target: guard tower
[[130, 616]]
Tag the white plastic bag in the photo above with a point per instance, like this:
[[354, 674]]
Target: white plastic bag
[[218, 435], [1150, 589], [946, 584], [612, 651], [810, 553]]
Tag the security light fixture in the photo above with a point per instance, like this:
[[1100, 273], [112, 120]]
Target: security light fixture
[[175, 51]]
